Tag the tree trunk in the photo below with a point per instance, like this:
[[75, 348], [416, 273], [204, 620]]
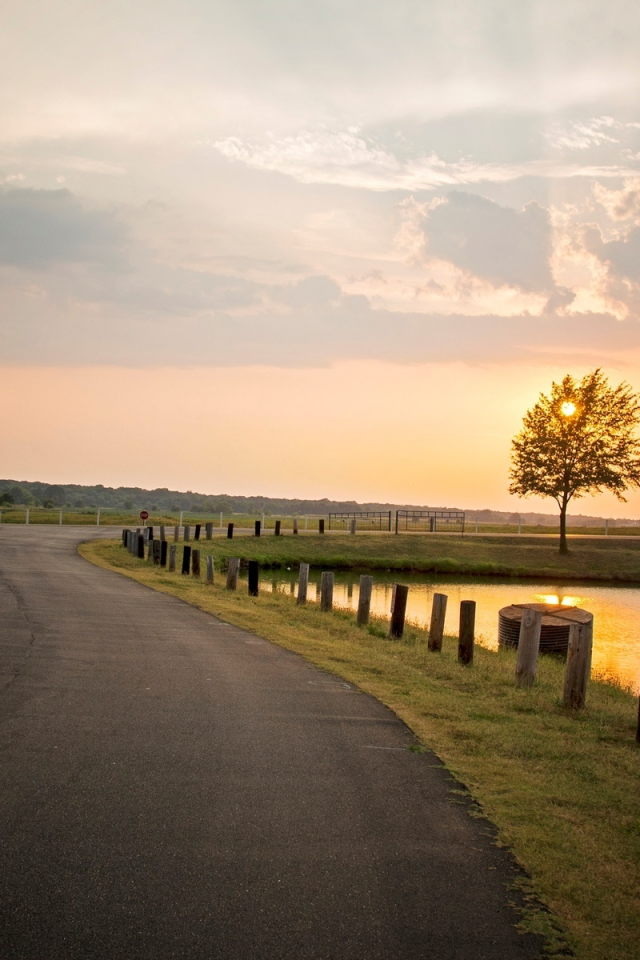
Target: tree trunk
[[564, 548]]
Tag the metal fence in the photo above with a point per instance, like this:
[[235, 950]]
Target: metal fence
[[365, 520], [429, 521]]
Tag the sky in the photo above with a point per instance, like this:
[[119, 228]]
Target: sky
[[311, 249]]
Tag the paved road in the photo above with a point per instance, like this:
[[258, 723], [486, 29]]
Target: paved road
[[174, 787]]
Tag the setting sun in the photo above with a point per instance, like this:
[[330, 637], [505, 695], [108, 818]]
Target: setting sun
[[568, 408]]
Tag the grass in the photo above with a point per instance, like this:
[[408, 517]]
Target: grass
[[561, 788], [480, 556]]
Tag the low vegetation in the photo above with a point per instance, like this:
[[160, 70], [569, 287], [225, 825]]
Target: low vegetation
[[482, 556], [561, 788]]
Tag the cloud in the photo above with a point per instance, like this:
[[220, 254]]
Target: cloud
[[40, 227], [622, 255], [350, 159], [499, 244], [583, 134]]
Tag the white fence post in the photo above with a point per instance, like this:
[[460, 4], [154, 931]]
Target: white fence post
[[26, 519], [98, 518]]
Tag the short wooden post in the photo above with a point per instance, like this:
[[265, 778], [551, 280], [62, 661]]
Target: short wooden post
[[326, 590], [59, 518], [176, 533], [150, 529], [398, 611], [364, 599], [528, 647], [436, 626], [187, 532], [197, 533], [257, 528], [295, 525], [26, 519], [303, 582], [209, 569], [229, 531], [321, 525], [638, 727], [578, 667], [98, 517], [156, 552], [352, 525], [195, 562], [476, 524], [221, 523], [232, 573], [254, 577], [150, 543], [163, 553], [276, 531], [181, 516], [172, 558], [162, 537], [208, 530], [432, 524], [467, 631], [186, 559], [140, 547]]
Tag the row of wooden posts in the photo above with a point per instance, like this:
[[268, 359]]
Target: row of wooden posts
[[208, 530], [578, 667]]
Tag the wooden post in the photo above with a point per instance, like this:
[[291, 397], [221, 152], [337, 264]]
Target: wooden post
[[210, 569], [163, 553], [176, 533], [276, 531], [26, 519], [229, 531], [195, 563], [257, 527], [186, 559], [60, 518], [436, 626], [306, 521], [476, 524], [98, 517], [150, 550], [221, 524], [162, 536], [321, 525], [197, 533], [140, 547], [352, 525], [295, 525], [578, 667], [398, 611], [638, 727], [187, 532], [156, 553], [172, 558], [326, 590], [364, 600], [254, 577], [232, 573], [467, 631], [528, 647], [150, 533], [208, 530], [519, 534], [303, 582]]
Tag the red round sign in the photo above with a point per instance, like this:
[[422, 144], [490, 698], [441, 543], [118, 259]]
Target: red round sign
[[143, 514]]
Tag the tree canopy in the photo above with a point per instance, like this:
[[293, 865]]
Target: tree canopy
[[579, 439]]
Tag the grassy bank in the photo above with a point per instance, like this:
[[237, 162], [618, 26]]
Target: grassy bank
[[563, 790], [482, 556]]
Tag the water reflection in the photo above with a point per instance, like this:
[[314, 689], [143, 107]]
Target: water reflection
[[616, 648]]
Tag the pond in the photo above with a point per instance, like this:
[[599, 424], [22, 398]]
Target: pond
[[616, 609]]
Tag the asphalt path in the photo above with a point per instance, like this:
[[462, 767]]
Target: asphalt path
[[175, 787]]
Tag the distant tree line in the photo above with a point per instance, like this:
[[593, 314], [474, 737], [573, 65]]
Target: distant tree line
[[28, 493]]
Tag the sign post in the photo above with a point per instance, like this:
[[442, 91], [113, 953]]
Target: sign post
[[143, 516]]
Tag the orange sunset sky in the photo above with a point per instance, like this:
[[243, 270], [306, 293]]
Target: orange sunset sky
[[311, 250]]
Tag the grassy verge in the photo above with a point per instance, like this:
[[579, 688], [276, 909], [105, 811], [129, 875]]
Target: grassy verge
[[482, 556], [562, 789]]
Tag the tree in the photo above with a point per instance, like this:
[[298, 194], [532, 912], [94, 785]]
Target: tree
[[580, 439]]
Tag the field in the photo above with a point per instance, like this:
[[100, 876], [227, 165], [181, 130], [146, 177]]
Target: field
[[562, 789], [596, 559]]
